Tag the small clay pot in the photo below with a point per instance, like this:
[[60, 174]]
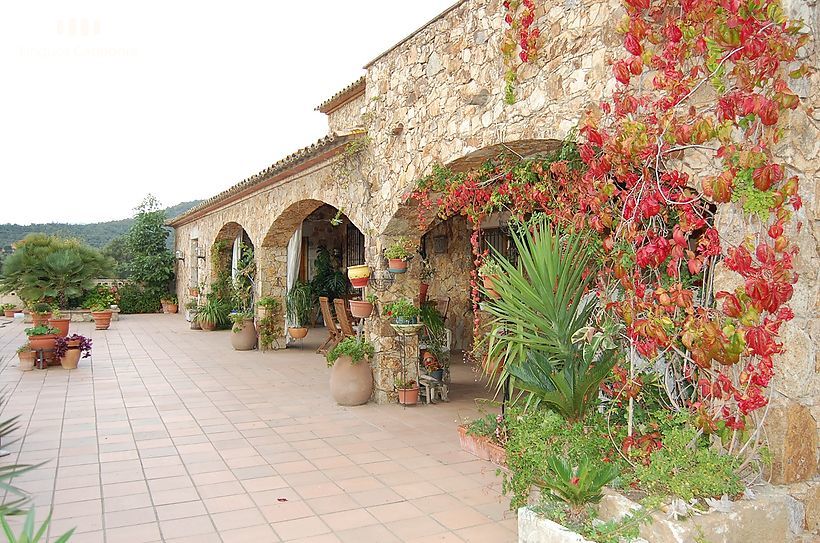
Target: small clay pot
[[396, 265], [408, 396], [102, 319], [488, 286], [40, 318], [61, 325], [298, 332], [360, 309], [71, 358], [171, 308], [26, 360]]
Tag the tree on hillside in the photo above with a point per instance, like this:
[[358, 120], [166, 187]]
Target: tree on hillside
[[53, 269], [151, 263], [118, 249]]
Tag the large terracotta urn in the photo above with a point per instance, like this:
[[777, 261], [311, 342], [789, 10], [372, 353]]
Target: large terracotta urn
[[351, 384], [243, 335]]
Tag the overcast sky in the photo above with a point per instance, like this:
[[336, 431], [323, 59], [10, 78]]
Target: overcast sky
[[102, 102]]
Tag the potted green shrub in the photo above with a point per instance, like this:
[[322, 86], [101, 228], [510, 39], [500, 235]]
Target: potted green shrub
[[41, 337], [299, 308], [268, 305], [170, 304], [9, 310], [212, 314], [69, 350], [398, 254], [60, 322], [490, 271], [243, 336], [351, 378], [362, 309], [26, 356], [402, 311], [40, 313], [408, 391], [101, 315]]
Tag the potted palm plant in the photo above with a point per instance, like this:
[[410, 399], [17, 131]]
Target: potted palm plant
[[101, 315], [398, 254], [212, 314], [351, 378], [299, 309]]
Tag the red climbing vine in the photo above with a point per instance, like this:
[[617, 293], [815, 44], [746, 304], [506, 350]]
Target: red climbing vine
[[521, 36], [684, 147]]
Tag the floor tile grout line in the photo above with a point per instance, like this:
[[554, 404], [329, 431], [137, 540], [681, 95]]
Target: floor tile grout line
[[185, 467]]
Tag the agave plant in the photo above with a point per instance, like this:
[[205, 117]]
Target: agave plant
[[578, 485], [30, 534], [13, 498], [541, 333]]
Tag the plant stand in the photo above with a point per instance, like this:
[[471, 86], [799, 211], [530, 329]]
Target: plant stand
[[405, 331], [40, 358]]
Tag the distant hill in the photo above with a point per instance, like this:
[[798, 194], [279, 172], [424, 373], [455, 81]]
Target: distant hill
[[95, 234]]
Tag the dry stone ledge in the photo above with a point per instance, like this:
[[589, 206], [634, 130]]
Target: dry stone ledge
[[772, 516]]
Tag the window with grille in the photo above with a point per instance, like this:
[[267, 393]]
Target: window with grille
[[501, 241], [355, 246]]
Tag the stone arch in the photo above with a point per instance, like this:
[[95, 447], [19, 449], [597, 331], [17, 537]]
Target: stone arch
[[272, 252], [221, 250]]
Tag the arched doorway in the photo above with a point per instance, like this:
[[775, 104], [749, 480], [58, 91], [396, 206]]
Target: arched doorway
[[309, 246], [233, 267]]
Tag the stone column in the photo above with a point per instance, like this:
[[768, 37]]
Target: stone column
[[389, 288], [270, 281]]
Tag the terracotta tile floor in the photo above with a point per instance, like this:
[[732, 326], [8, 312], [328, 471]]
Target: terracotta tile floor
[[167, 434]]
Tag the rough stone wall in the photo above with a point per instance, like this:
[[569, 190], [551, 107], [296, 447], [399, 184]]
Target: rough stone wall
[[443, 88], [348, 118]]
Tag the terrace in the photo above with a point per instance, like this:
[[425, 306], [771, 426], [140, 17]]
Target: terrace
[[167, 434]]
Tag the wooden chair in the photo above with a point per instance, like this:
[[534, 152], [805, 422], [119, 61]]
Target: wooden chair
[[334, 334], [443, 305], [344, 322]]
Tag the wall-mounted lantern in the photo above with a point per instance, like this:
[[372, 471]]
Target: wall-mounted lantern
[[200, 252], [180, 256]]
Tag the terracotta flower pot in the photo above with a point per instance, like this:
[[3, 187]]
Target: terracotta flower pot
[[171, 308], [423, 288], [40, 318], [26, 360], [71, 358], [207, 326], [46, 341], [243, 335], [408, 396], [61, 325], [297, 332], [488, 286], [396, 265], [359, 275], [361, 309], [351, 384], [10, 312], [102, 319]]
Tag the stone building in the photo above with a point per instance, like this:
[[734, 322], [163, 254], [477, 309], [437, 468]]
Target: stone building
[[437, 97]]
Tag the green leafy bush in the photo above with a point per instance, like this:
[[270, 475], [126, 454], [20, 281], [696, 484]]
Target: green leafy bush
[[51, 268], [356, 349], [150, 263], [299, 304], [686, 467], [537, 434], [136, 299]]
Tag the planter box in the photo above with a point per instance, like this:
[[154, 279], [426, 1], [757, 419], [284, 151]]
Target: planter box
[[482, 447], [772, 516], [80, 315]]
